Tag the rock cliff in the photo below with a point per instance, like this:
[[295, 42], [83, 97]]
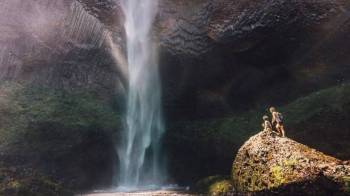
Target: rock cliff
[[218, 59], [207, 49], [56, 44]]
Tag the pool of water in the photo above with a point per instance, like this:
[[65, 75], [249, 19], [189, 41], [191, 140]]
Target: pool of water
[[142, 193], [171, 190]]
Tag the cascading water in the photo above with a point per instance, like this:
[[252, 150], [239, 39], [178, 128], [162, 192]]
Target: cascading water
[[139, 149]]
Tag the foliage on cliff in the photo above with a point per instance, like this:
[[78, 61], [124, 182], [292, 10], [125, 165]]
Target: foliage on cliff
[[27, 182], [64, 134]]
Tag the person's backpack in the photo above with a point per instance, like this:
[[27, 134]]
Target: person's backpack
[[279, 117]]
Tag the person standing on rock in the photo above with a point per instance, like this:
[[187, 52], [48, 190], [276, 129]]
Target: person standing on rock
[[277, 121], [267, 125]]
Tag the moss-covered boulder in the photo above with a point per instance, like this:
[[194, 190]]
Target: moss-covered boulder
[[214, 185], [267, 163]]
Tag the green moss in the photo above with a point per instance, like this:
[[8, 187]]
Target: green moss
[[227, 132], [290, 162], [347, 183], [53, 128], [221, 187], [215, 185], [238, 128], [277, 177], [29, 183], [28, 107], [15, 185], [255, 177], [252, 180], [304, 108]]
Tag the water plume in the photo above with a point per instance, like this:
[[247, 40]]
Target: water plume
[[139, 150]]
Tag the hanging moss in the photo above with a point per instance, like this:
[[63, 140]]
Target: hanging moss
[[54, 128], [27, 107]]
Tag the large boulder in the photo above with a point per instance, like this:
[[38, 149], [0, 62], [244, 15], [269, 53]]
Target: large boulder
[[267, 163]]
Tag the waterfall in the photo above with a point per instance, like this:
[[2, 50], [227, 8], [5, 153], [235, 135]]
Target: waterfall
[[139, 150]]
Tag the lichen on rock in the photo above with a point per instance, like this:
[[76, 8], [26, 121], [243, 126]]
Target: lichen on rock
[[267, 163]]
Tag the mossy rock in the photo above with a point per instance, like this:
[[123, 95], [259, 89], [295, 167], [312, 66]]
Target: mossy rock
[[347, 184], [20, 182], [215, 185], [267, 162]]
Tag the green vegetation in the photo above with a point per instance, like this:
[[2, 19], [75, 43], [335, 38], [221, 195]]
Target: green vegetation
[[53, 128], [305, 108], [27, 108], [256, 179], [238, 128], [277, 175], [283, 173], [235, 130], [347, 183], [215, 185], [253, 179], [322, 115], [13, 182]]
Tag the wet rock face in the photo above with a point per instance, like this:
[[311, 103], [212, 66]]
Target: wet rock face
[[51, 52], [267, 162], [194, 27], [54, 44], [227, 56], [215, 56]]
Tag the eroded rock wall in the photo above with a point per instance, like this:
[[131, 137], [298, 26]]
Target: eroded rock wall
[[56, 44]]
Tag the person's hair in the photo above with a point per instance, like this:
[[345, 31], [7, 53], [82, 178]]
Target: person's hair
[[265, 117], [272, 109]]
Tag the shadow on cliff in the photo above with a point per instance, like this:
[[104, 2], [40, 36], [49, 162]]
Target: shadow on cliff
[[67, 137], [206, 147]]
